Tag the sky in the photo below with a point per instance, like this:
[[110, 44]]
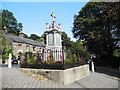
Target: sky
[[34, 15]]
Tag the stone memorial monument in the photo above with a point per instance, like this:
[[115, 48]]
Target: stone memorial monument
[[53, 38], [53, 35]]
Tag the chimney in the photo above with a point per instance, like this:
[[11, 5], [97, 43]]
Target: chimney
[[21, 34]]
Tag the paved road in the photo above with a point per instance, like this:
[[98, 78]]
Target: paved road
[[14, 78]]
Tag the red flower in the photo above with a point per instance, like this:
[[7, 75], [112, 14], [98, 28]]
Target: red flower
[[61, 58], [48, 63], [39, 61], [48, 58], [57, 62]]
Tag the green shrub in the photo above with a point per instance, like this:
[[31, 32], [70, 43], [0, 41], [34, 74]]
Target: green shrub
[[44, 62], [6, 51], [68, 55], [74, 58], [29, 57], [67, 61], [78, 58]]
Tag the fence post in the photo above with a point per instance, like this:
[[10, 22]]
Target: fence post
[[93, 69], [10, 61]]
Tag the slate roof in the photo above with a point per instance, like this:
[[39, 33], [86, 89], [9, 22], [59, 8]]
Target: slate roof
[[25, 40]]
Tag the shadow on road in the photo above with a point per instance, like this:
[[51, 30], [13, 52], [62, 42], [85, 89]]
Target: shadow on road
[[6, 65], [115, 74]]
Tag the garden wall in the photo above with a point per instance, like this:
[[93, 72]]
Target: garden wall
[[66, 76]]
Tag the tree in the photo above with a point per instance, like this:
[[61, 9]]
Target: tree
[[25, 36], [10, 22], [66, 41], [2, 43], [97, 24], [4, 48], [34, 37], [79, 49]]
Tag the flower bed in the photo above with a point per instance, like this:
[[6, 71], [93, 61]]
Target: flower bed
[[60, 66]]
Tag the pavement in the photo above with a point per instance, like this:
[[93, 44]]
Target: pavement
[[14, 78]]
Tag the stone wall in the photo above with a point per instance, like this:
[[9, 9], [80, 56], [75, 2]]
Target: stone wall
[[22, 47], [63, 76]]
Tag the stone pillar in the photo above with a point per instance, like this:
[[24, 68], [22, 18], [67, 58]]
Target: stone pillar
[[93, 69], [54, 39], [47, 39], [10, 61], [60, 40]]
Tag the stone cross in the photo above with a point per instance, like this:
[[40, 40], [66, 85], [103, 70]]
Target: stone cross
[[53, 16]]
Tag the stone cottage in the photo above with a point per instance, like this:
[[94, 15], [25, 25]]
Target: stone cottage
[[19, 44]]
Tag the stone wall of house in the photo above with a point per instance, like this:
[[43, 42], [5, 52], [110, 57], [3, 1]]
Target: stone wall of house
[[23, 48]]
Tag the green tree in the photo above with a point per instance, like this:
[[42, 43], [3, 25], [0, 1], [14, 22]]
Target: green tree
[[34, 37], [2, 43], [66, 41], [10, 22], [79, 49], [97, 24], [4, 48], [25, 36], [43, 37]]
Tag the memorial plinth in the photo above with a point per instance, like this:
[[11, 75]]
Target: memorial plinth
[[65, 77]]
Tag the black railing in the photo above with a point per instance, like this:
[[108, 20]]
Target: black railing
[[53, 66], [55, 59]]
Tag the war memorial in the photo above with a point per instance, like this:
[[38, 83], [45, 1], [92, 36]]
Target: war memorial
[[55, 63]]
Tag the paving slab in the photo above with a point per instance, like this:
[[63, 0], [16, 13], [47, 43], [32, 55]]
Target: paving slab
[[14, 78]]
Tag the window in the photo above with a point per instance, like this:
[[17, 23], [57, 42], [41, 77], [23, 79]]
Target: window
[[58, 39], [33, 48], [51, 39]]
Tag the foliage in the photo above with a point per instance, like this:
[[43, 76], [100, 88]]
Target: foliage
[[98, 26], [66, 42], [79, 49], [68, 61], [2, 42], [68, 58], [34, 37], [78, 57], [51, 59], [44, 62], [29, 57], [44, 38], [117, 53], [10, 22], [69, 55], [6, 51], [25, 36], [74, 58]]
